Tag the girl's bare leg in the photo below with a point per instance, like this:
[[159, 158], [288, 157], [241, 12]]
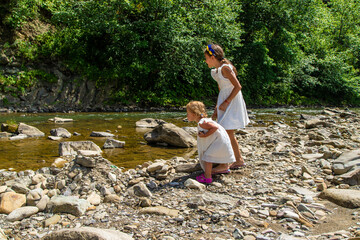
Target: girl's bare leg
[[235, 146], [208, 168]]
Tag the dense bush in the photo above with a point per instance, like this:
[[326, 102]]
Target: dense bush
[[286, 52]]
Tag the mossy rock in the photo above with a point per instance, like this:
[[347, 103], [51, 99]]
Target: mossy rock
[[11, 128]]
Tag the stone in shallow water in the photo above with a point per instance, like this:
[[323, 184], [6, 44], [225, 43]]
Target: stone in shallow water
[[101, 134], [112, 143], [30, 131], [73, 147]]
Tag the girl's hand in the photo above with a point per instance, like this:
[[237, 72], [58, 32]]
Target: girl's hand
[[201, 134], [224, 106], [214, 115], [210, 127]]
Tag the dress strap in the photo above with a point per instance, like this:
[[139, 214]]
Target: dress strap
[[220, 68]]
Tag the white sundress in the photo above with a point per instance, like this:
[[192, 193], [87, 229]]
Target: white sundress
[[235, 116], [215, 148]]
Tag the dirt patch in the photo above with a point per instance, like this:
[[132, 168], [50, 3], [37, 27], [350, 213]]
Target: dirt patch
[[30, 30], [340, 219]]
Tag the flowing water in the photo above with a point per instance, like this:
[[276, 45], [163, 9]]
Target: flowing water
[[35, 153]]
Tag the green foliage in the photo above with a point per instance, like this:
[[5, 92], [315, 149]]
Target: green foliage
[[18, 83], [151, 52]]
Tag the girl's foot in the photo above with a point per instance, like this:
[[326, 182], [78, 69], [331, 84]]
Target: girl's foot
[[202, 179], [226, 171], [237, 165]]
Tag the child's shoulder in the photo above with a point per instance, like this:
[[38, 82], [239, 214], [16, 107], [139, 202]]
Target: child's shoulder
[[226, 67], [206, 120]]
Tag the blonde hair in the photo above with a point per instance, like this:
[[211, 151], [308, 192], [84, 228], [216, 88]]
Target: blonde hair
[[197, 108], [219, 55]]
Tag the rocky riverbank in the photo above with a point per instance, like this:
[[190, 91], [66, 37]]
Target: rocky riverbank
[[301, 182]]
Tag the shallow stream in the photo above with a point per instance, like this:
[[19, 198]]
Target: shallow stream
[[35, 153]]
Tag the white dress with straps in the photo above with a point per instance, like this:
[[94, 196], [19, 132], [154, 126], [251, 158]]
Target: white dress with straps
[[235, 116], [215, 148]]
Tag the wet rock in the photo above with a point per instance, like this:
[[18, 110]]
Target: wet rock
[[60, 132], [112, 143], [5, 135], [60, 120], [101, 134], [72, 148], [191, 130], [54, 138], [10, 128], [170, 134], [29, 131], [149, 123], [18, 137]]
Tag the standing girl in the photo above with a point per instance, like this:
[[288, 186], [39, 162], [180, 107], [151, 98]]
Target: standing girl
[[230, 110], [212, 141]]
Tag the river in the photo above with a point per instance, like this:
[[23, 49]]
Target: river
[[35, 153]]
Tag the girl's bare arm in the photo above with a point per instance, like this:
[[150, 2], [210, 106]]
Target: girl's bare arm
[[229, 74], [211, 127]]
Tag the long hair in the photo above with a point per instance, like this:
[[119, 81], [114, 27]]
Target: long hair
[[197, 108], [218, 53]]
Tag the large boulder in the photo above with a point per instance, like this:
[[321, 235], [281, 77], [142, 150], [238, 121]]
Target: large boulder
[[170, 134], [74, 148], [87, 233], [149, 123], [30, 131]]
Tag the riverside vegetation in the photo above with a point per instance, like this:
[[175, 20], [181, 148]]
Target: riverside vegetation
[[301, 182], [58, 55]]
